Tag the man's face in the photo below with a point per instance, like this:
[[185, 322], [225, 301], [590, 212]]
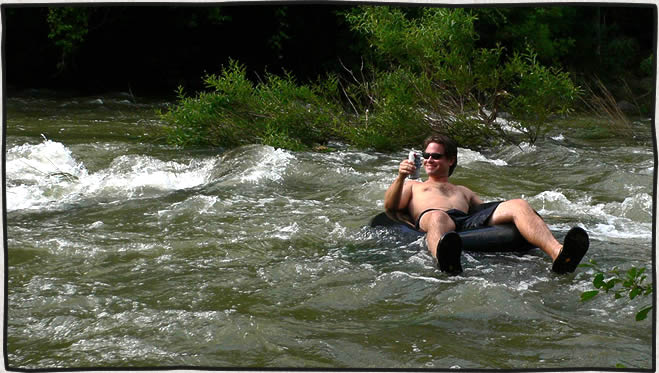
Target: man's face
[[437, 167]]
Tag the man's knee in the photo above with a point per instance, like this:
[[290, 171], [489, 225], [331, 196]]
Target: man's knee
[[437, 219], [509, 211], [521, 208], [519, 205]]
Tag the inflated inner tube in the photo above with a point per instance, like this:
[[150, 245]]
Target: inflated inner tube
[[495, 238]]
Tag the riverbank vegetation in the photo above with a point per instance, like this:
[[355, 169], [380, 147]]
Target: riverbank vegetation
[[235, 111], [379, 77], [422, 72]]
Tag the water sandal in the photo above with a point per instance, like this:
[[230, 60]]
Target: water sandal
[[575, 246], [449, 252]]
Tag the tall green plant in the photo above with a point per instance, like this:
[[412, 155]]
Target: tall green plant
[[538, 93], [218, 117], [461, 88], [387, 112], [235, 111]]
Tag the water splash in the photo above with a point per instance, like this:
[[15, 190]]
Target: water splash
[[48, 176]]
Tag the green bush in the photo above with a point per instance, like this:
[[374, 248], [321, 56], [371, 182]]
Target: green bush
[[459, 87], [235, 111], [219, 117], [537, 93], [424, 74], [388, 116]]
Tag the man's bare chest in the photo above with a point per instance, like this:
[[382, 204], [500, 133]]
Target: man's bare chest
[[440, 190]]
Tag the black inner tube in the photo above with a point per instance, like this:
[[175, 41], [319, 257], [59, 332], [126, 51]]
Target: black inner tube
[[495, 238]]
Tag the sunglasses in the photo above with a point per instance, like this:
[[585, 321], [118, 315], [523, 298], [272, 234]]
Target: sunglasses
[[433, 155]]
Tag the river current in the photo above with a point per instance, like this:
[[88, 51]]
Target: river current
[[122, 253]]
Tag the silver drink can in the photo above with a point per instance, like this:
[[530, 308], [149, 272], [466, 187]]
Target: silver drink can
[[415, 158]]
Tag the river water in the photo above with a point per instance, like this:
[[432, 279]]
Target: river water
[[122, 253]]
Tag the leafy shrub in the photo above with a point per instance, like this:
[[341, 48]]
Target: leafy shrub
[[235, 111], [462, 88], [218, 117], [388, 117], [537, 93], [424, 74]]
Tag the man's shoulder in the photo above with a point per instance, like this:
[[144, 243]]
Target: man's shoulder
[[462, 187], [412, 184]]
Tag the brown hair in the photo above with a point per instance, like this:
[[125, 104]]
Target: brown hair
[[450, 148]]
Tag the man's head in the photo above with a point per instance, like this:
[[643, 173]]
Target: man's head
[[450, 148]]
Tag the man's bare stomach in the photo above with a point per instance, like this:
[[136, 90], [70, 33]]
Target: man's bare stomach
[[427, 198]]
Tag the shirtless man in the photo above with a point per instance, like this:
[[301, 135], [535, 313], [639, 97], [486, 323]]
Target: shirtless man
[[440, 208]]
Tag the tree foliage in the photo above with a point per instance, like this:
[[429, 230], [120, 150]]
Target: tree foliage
[[399, 72], [425, 74], [610, 42], [459, 87], [68, 29]]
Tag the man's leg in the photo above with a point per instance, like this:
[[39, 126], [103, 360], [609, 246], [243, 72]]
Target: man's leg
[[529, 224], [435, 224]]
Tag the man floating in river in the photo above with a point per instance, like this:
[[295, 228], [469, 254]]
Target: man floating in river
[[440, 208]]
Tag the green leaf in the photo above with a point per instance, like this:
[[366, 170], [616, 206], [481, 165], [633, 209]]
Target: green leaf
[[634, 293], [610, 284], [642, 314], [598, 281], [588, 295], [631, 273]]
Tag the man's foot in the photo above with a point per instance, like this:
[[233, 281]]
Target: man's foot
[[449, 252], [574, 248]]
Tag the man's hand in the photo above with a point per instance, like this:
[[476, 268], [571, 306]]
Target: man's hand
[[399, 192], [398, 195], [406, 168]]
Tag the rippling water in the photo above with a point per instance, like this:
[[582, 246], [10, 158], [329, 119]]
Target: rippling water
[[126, 254]]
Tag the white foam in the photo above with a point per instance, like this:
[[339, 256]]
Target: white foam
[[96, 224], [398, 274], [131, 175], [34, 162], [469, 156], [287, 232], [343, 156], [631, 218], [47, 176], [272, 165]]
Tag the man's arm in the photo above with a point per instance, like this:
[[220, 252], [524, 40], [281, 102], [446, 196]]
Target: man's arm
[[399, 193], [473, 198]]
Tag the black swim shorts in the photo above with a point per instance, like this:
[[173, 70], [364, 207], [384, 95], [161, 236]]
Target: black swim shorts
[[477, 217]]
